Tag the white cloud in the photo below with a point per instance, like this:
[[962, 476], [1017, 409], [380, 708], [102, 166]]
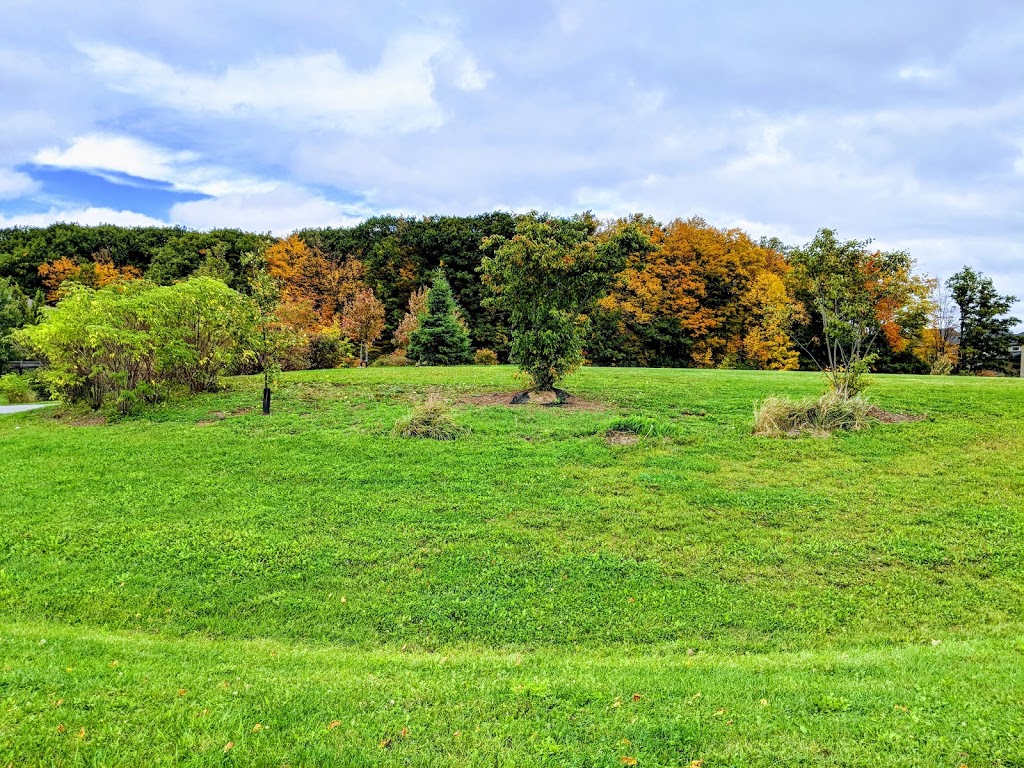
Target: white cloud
[[280, 210], [920, 73], [14, 184], [316, 90], [87, 216], [102, 153]]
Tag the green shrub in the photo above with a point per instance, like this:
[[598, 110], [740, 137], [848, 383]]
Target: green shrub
[[943, 366], [37, 383], [127, 343], [431, 420], [328, 349], [391, 360], [16, 389], [819, 416], [485, 357]]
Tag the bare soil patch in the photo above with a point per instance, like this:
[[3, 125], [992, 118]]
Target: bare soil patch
[[537, 400], [88, 421], [621, 437], [888, 417]]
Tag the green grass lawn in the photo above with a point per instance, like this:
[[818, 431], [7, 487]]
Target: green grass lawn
[[529, 594]]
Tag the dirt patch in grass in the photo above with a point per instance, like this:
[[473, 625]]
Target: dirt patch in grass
[[216, 416], [212, 419], [621, 437], [88, 421], [888, 417], [537, 400]]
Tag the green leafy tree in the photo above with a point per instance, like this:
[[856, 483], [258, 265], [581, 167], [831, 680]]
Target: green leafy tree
[[16, 311], [858, 295], [440, 339], [267, 341], [986, 329], [547, 277]]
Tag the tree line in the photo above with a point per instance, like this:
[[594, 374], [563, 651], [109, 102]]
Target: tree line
[[631, 292]]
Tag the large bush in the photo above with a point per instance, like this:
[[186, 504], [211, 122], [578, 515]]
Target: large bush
[[129, 342]]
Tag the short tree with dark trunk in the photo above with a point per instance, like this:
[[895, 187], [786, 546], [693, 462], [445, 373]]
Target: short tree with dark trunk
[[547, 277]]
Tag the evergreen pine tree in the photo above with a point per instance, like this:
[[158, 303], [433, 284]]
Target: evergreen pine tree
[[985, 329], [440, 340]]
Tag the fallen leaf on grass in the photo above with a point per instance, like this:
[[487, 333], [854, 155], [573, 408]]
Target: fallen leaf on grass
[[58, 703], [403, 733], [637, 697], [385, 744], [182, 691], [627, 760], [334, 724], [228, 746], [61, 728], [257, 728], [81, 734]]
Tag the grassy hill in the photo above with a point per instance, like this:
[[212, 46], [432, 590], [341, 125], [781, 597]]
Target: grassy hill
[[531, 594]]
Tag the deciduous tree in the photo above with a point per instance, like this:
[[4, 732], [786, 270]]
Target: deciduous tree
[[547, 277], [363, 322]]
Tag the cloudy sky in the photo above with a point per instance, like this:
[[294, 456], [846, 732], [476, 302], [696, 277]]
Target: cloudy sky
[[901, 121]]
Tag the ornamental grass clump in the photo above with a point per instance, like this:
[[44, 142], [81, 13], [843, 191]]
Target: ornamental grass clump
[[817, 416], [431, 420]]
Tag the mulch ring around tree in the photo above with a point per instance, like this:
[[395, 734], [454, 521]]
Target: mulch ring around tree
[[888, 417], [537, 400]]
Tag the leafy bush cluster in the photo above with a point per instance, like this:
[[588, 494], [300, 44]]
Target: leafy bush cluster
[[485, 357], [130, 342], [16, 389]]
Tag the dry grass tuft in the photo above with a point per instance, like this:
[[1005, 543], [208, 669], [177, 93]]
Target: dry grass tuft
[[431, 420], [816, 416]]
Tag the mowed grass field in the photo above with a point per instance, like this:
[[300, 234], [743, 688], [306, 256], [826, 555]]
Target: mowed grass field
[[202, 585]]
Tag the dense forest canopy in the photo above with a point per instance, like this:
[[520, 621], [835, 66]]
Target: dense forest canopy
[[693, 295]]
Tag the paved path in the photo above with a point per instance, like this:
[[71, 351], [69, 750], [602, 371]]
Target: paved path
[[19, 408]]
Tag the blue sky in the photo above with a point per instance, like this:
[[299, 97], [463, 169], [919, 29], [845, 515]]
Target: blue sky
[[903, 121]]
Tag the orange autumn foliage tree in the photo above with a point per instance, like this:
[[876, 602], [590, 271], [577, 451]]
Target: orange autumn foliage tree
[[310, 279], [97, 273], [363, 321], [692, 292], [411, 322], [767, 344]]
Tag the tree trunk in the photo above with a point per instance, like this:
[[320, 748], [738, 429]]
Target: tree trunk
[[266, 401]]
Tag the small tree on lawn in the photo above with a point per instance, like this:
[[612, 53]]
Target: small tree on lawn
[[363, 321], [440, 339], [858, 295], [547, 277], [986, 329], [267, 339]]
